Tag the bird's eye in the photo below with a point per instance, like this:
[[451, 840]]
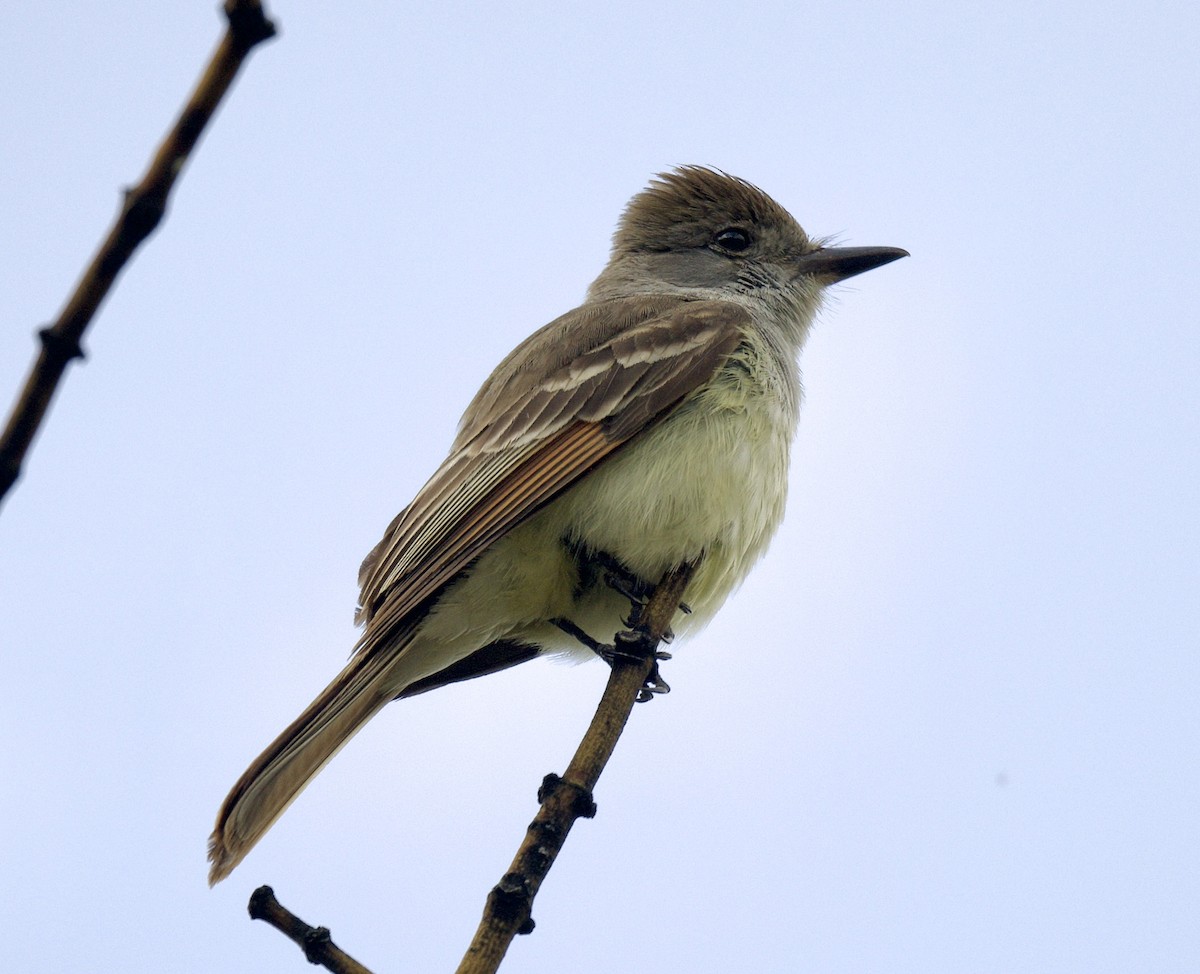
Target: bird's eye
[[733, 239]]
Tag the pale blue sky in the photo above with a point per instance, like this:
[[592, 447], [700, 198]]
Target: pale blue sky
[[950, 724]]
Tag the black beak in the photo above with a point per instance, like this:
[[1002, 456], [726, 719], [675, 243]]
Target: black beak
[[833, 264]]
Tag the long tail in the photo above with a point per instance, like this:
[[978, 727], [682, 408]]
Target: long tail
[[293, 759]]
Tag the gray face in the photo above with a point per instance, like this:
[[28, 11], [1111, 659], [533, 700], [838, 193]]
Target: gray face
[[738, 256], [693, 268]]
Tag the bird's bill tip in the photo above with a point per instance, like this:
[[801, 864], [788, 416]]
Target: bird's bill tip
[[833, 264]]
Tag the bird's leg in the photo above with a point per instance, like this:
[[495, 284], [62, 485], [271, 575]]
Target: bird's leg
[[624, 582], [575, 632], [631, 644]]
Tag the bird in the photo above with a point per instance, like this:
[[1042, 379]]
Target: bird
[[648, 428]]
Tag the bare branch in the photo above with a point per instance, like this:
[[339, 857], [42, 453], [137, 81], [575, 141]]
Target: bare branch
[[565, 799], [314, 941], [140, 214]]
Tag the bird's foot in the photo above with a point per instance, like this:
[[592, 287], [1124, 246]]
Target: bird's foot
[[635, 645], [629, 646]]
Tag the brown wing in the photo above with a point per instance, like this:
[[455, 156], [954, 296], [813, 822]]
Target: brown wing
[[527, 437], [565, 400]]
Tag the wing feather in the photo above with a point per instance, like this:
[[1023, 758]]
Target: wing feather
[[526, 450]]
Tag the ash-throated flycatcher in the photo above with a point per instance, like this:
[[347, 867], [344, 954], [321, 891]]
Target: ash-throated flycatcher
[[647, 428]]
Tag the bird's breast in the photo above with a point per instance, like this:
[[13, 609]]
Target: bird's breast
[[707, 483]]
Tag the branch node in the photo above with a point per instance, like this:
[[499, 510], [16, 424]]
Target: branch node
[[262, 901], [59, 346], [511, 899], [247, 23], [582, 804], [316, 943], [144, 210]]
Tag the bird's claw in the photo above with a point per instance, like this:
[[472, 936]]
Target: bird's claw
[[654, 684], [631, 646], [611, 652]]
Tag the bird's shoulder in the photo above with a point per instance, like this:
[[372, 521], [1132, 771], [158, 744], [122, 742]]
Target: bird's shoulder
[[613, 335]]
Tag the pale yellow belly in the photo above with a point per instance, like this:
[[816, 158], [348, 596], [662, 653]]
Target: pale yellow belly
[[708, 484]]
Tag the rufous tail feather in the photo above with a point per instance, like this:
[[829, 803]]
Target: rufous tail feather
[[279, 774]]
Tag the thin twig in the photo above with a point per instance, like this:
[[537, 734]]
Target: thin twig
[[314, 941], [141, 212], [565, 799]]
